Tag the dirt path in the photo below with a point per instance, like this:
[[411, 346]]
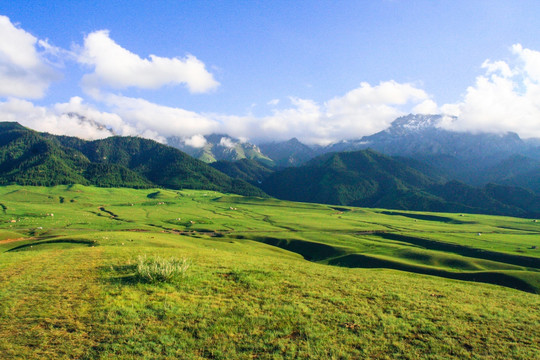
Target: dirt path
[[7, 241]]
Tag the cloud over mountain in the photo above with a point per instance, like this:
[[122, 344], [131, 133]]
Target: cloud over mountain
[[157, 119], [61, 120], [505, 98], [361, 111]]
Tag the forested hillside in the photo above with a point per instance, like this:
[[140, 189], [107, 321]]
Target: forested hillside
[[31, 158], [370, 179]]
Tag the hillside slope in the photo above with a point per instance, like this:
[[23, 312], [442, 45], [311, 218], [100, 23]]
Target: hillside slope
[[266, 279], [346, 178], [32, 158], [248, 170], [367, 178]]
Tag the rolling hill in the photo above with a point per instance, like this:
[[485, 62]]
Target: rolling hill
[[265, 279]]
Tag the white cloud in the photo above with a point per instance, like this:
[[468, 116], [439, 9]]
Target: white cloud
[[368, 109], [128, 117], [76, 105], [166, 121], [196, 141], [24, 71], [387, 92], [119, 68], [506, 98], [227, 142], [361, 111], [74, 118], [55, 121], [497, 67], [427, 107], [273, 102], [530, 61]]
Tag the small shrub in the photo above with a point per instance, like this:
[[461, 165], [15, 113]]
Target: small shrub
[[157, 269]]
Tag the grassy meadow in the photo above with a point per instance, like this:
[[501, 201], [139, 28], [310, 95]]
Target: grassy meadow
[[263, 279]]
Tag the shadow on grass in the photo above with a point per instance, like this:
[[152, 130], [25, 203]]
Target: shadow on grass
[[120, 274], [124, 280], [512, 259], [426, 217], [337, 256], [490, 277], [339, 209], [127, 275], [310, 250], [36, 245], [113, 215]]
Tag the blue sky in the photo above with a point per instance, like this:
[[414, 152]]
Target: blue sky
[[263, 70]]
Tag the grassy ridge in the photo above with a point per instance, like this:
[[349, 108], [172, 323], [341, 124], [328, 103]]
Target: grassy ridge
[[69, 285]]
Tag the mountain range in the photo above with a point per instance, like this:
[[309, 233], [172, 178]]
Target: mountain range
[[31, 158], [220, 147], [472, 158], [367, 178], [475, 159], [424, 167]]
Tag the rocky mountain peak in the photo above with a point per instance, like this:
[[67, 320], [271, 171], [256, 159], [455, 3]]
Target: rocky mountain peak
[[413, 123]]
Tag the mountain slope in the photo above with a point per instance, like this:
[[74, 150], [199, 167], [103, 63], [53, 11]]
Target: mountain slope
[[160, 164], [370, 179], [288, 153], [414, 135], [516, 170], [221, 147], [29, 157], [248, 170], [360, 178], [471, 158], [529, 180]]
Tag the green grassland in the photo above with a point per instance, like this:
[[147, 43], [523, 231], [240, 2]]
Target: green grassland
[[268, 279]]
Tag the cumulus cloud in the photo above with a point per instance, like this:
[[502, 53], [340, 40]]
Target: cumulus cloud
[[387, 92], [505, 98], [130, 117], [76, 107], [118, 68], [158, 119], [359, 112], [227, 142], [24, 68], [368, 109], [56, 121], [426, 107], [196, 141], [362, 111]]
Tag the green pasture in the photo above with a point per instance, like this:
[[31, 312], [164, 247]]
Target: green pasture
[[268, 279]]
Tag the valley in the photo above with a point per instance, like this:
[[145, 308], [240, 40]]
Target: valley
[[269, 180]]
